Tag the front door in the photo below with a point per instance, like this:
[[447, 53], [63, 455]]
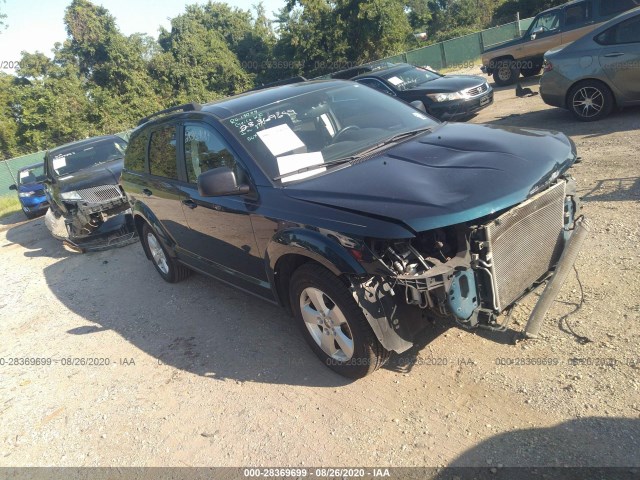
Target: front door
[[222, 237]]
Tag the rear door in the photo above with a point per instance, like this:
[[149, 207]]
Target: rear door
[[620, 57], [221, 237], [159, 190]]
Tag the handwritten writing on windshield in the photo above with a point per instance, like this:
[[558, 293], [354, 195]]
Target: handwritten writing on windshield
[[249, 123]]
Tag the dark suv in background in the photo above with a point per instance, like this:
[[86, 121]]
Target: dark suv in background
[[81, 183], [361, 215]]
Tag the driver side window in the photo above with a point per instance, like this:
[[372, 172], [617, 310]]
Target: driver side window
[[205, 149], [546, 23]]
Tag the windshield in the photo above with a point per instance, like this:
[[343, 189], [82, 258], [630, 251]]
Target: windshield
[[322, 126], [410, 78], [31, 175], [80, 156]]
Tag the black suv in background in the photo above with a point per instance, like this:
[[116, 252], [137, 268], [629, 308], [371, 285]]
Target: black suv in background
[[361, 215], [81, 183]]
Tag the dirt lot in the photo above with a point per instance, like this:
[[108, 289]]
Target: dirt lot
[[201, 374]]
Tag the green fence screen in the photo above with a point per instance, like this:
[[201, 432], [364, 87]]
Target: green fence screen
[[458, 52]]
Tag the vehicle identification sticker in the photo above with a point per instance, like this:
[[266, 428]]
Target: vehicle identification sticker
[[395, 81], [280, 139], [24, 174], [59, 162], [291, 163]]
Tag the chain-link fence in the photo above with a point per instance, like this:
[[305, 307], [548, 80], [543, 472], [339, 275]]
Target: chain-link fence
[[458, 52]]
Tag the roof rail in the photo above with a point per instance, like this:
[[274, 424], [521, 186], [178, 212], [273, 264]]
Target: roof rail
[[187, 107]]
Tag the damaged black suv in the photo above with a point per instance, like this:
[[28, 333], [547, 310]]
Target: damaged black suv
[[359, 214], [87, 206]]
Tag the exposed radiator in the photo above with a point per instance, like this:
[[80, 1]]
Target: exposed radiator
[[525, 243], [103, 193]]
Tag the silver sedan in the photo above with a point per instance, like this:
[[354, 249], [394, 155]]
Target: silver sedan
[[597, 72]]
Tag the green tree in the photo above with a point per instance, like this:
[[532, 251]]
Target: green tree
[[373, 28], [196, 64], [310, 40]]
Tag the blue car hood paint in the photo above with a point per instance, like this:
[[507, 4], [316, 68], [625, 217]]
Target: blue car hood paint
[[38, 188], [454, 174]]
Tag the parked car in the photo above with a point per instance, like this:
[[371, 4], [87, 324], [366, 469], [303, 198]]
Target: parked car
[[81, 183], [446, 97], [598, 72], [31, 191], [550, 29], [361, 215]]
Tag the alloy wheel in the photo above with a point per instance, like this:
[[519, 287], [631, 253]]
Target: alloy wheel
[[326, 324], [157, 253]]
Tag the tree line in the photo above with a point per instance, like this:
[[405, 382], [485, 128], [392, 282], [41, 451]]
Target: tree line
[[102, 81]]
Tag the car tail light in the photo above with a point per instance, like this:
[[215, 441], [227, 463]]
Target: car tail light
[[547, 66]]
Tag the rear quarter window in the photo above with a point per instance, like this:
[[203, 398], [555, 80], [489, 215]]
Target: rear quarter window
[[134, 158]]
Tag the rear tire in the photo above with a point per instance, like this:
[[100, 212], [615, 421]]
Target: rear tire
[[506, 73], [590, 100], [168, 267], [333, 324]]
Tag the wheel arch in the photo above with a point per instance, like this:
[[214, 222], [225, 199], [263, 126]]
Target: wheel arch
[[289, 249], [143, 215]]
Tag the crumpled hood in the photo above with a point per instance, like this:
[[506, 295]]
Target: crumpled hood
[[107, 173], [456, 173]]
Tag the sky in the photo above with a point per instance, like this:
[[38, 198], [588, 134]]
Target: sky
[[37, 24]]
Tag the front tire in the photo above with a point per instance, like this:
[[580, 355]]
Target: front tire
[[168, 268], [332, 323], [506, 73], [590, 101]]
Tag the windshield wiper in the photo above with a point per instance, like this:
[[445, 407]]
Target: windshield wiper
[[312, 167]]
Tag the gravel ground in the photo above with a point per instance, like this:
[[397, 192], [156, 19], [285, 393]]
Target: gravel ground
[[199, 374]]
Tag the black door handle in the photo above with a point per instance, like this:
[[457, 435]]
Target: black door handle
[[189, 203], [147, 192]]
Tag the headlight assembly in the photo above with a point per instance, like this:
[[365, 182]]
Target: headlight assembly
[[26, 194], [70, 195], [446, 97]]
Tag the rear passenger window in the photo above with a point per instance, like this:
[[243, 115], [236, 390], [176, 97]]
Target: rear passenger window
[[162, 153], [135, 154], [205, 149], [611, 7], [625, 32]]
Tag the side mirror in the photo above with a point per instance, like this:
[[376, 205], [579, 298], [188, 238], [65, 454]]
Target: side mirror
[[220, 181], [13, 187]]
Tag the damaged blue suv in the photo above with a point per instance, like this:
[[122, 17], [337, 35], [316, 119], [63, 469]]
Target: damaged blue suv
[[362, 216]]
